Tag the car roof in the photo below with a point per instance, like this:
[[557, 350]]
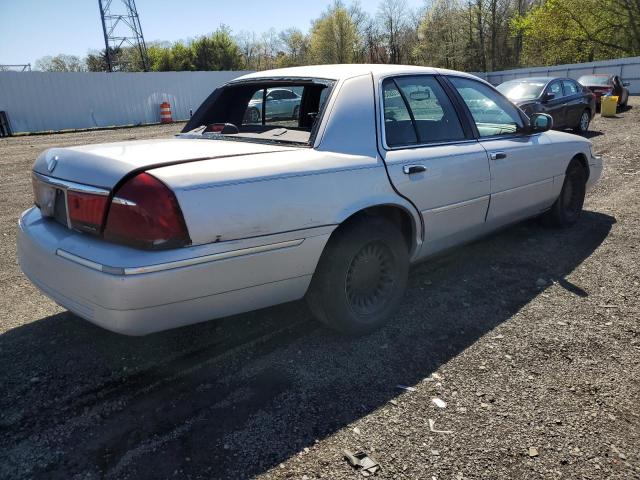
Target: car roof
[[344, 71], [538, 79]]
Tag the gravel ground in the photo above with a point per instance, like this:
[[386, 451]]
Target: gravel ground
[[530, 336]]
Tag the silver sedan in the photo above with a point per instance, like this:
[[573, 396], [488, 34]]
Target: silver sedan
[[383, 166]]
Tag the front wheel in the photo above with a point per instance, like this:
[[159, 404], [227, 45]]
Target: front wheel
[[567, 208], [361, 277]]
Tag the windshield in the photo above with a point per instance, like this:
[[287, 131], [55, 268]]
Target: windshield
[[521, 90], [282, 111], [602, 80]]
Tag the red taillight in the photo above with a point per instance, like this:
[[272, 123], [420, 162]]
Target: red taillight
[[86, 210], [145, 213]]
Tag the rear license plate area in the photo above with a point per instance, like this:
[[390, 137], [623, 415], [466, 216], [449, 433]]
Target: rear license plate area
[[60, 207], [51, 200]]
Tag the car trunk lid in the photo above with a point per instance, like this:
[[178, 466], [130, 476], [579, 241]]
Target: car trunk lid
[[104, 165]]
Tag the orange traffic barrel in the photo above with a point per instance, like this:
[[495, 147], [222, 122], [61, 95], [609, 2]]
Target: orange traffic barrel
[[165, 113]]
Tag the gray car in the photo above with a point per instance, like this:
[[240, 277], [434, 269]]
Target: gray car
[[277, 103]]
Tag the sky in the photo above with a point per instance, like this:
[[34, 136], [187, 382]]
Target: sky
[[30, 29]]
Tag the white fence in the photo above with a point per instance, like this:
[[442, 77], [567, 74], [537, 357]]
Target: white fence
[[627, 68], [43, 101]]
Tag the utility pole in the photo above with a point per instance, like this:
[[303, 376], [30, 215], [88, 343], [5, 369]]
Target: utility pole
[[121, 28]]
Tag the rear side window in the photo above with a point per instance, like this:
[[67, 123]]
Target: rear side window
[[418, 111], [492, 113], [397, 120], [570, 88]]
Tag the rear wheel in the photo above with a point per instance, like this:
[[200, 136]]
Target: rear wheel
[[361, 276], [253, 115], [567, 208], [583, 122]]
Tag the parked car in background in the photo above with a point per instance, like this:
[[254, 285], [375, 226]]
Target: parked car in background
[[570, 104], [385, 166], [604, 84], [277, 103]]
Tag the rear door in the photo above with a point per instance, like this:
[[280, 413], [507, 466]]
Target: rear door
[[434, 160], [575, 100], [521, 165]]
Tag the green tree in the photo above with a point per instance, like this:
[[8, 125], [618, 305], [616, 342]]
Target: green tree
[[442, 40], [181, 57], [334, 37], [296, 48], [218, 51], [160, 59], [569, 31]]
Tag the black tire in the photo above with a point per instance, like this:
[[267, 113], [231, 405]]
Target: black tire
[[583, 122], [361, 277], [567, 208], [253, 115]]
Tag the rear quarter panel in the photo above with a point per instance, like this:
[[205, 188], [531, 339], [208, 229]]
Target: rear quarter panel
[[264, 194], [274, 193]]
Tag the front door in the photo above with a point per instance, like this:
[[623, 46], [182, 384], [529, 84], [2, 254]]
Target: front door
[[556, 106], [433, 162], [520, 183]]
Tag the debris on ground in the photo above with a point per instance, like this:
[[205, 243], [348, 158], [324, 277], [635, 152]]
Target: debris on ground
[[404, 387], [438, 402], [533, 452], [432, 427], [360, 460]]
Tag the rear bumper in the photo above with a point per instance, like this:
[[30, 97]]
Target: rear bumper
[[157, 291]]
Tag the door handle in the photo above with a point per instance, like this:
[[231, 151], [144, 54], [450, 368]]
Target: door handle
[[498, 155], [411, 169]]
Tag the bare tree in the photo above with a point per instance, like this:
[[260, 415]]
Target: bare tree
[[392, 17], [60, 63]]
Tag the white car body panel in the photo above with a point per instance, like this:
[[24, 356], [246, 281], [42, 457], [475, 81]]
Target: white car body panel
[[103, 165], [259, 215], [452, 194]]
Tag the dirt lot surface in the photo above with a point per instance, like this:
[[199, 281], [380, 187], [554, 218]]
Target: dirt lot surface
[[531, 337]]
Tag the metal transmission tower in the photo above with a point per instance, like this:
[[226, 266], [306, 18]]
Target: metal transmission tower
[[122, 28]]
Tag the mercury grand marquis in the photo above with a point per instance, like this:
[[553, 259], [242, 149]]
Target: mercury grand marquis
[[382, 166]]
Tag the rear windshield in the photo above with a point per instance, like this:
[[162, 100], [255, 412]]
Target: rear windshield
[[594, 80], [270, 111], [521, 90]]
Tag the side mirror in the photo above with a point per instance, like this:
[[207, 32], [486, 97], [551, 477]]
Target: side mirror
[[548, 96], [626, 84], [540, 122]]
